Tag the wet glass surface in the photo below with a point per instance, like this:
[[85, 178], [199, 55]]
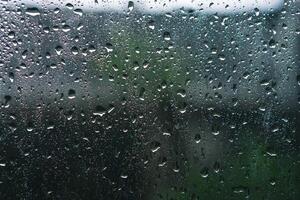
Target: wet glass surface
[[130, 103]]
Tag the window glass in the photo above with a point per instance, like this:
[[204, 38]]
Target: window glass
[[165, 99]]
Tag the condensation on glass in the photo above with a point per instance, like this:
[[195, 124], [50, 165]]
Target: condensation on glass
[[186, 99]]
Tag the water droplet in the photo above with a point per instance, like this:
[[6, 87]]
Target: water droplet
[[11, 34], [217, 167], [256, 10], [130, 6], [58, 49], [50, 127], [141, 93], [99, 111], [24, 54], [215, 133], [239, 189], [109, 47], [69, 6], [29, 127], [78, 12], [181, 93], [272, 43], [124, 176], [66, 28], [271, 154], [74, 50], [145, 64], [204, 172], [166, 134], [56, 10], [7, 99], [167, 36], [71, 94], [33, 11], [197, 138], [151, 24], [272, 181], [11, 76], [155, 146], [92, 48]]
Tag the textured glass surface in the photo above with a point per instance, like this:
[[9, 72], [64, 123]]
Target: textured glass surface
[[150, 100]]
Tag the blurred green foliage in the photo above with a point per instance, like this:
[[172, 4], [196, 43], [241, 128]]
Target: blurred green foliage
[[135, 65], [252, 173]]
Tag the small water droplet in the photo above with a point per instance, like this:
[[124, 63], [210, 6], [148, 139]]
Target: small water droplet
[[109, 47], [71, 94], [58, 49], [256, 10], [29, 127], [181, 93], [167, 36], [197, 138], [124, 176], [204, 172], [91, 48], [166, 134], [66, 28], [215, 133], [151, 24], [11, 34], [155, 146], [11, 76], [141, 93], [272, 43], [298, 80], [24, 54], [7, 99], [74, 50], [217, 167]]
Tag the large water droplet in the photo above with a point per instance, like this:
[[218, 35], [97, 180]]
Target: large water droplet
[[130, 6], [99, 111], [33, 11]]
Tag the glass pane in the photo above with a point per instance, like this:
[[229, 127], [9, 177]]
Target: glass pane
[[164, 99]]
